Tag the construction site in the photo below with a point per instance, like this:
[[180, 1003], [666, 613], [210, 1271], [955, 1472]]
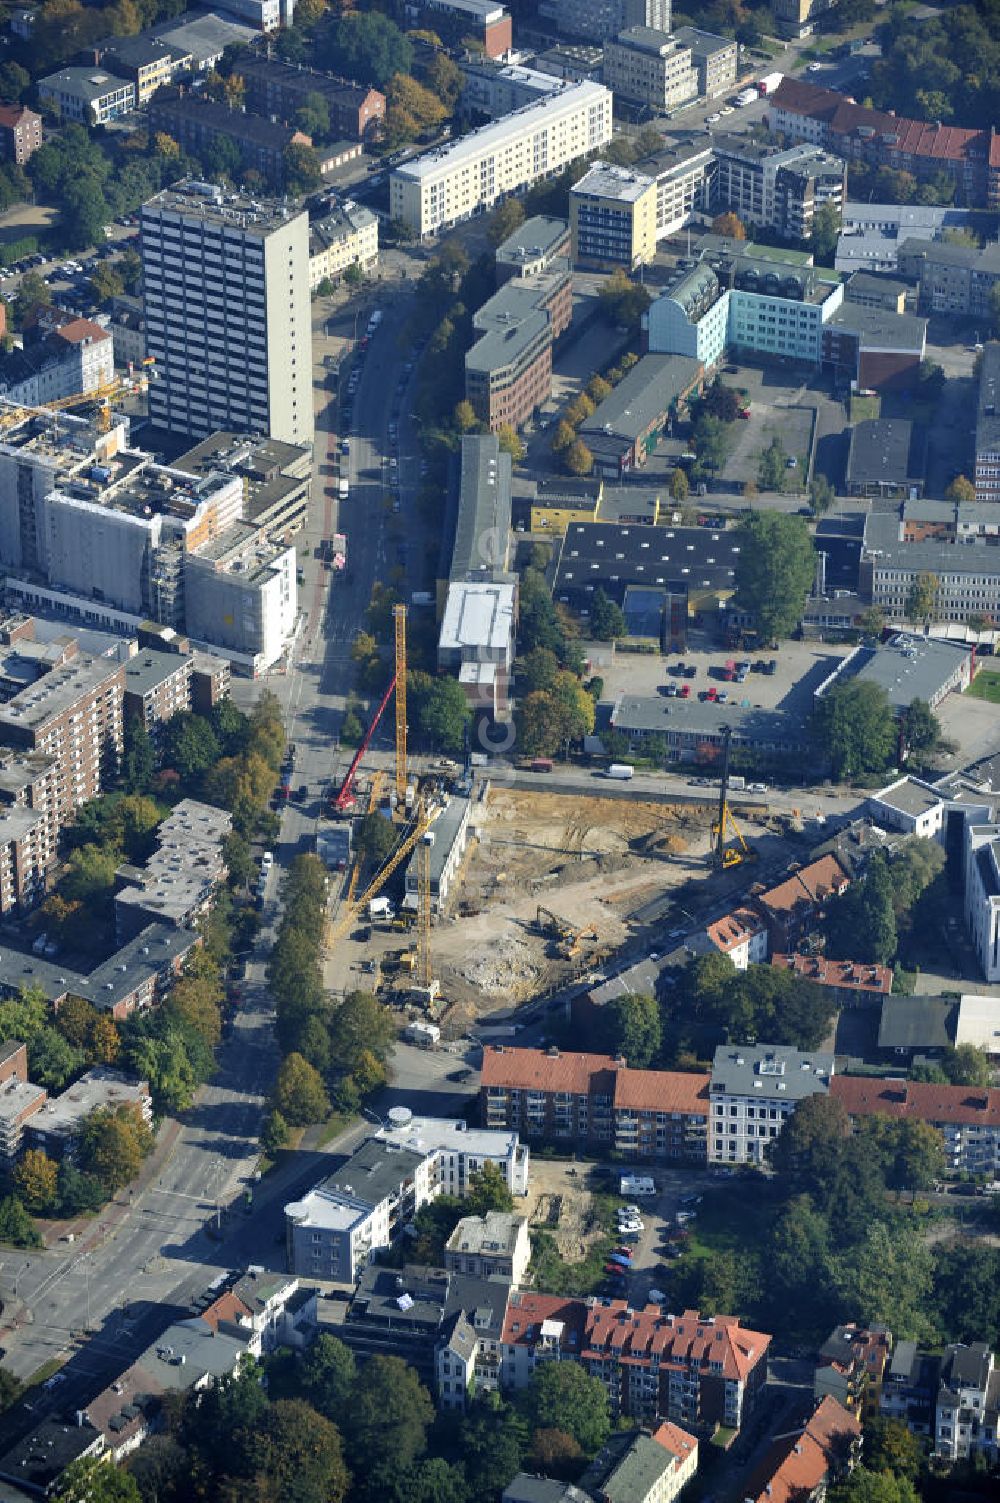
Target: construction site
[[494, 894]]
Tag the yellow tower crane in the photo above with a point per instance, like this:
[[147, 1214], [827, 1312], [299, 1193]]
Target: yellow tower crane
[[425, 969], [399, 615], [14, 412], [422, 819]]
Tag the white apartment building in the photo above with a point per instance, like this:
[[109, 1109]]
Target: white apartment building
[[347, 237], [754, 1089], [460, 1151], [265, 15], [469, 176], [684, 177], [650, 67], [241, 594], [911, 806], [228, 318], [742, 935]]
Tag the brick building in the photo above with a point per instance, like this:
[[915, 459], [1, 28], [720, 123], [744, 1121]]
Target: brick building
[[20, 133], [278, 90], [20, 1099], [852, 982], [157, 685], [967, 1117], [508, 371], [803, 1464], [595, 1099], [796, 904], [196, 123]]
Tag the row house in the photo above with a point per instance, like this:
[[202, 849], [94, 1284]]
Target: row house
[[596, 1100], [642, 1468], [754, 1089], [851, 1368], [693, 1370], [967, 1413], [967, 1117], [796, 905]]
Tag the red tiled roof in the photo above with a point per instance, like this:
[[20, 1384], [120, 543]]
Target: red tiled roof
[[819, 880], [80, 329], [11, 115], [539, 1070], [847, 973], [736, 927], [994, 150], [633, 1336], [917, 1100], [526, 1311], [227, 1309], [662, 1091], [918, 138], [675, 1440], [516, 1069], [796, 1466]]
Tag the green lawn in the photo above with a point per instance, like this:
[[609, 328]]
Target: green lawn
[[986, 685]]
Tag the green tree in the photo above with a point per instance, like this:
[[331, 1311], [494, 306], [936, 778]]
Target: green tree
[[887, 1280], [505, 219], [303, 173], [488, 1191], [775, 570], [493, 1442], [631, 1026], [538, 669], [299, 1453], [722, 402], [891, 1446], [11, 1389], [52, 1060], [561, 1395], [376, 838], [821, 494], [434, 1480], [16, 1226], [773, 467], [679, 486], [32, 294], [861, 925], [138, 759], [921, 599], [853, 725], [863, 1486], [511, 442], [391, 1412], [275, 1133], [328, 1374], [444, 715], [921, 733], [367, 46], [578, 458], [563, 437], [871, 622], [298, 1092], [313, 116], [967, 1065], [807, 1152], [825, 234], [360, 1023], [623, 302], [96, 1479], [607, 620], [189, 745]]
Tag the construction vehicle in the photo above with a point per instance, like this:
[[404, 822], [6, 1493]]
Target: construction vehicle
[[567, 942], [727, 855], [422, 820]]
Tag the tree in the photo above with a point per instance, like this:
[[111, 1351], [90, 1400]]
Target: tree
[[773, 466], [32, 294], [825, 234], [313, 115], [775, 571], [511, 443], [607, 620], [444, 715], [391, 1412], [189, 745], [298, 1092], [554, 1453], [722, 402], [679, 486], [598, 389], [930, 382], [871, 622], [921, 599], [434, 1480], [887, 1280], [52, 1060], [412, 109], [821, 494], [506, 218], [562, 1396], [630, 1026], [138, 759], [376, 838], [105, 282], [275, 1133], [367, 46], [96, 1479], [16, 1226], [712, 442], [623, 302], [564, 435], [807, 1150], [891, 1446], [303, 173], [11, 1389], [861, 924], [299, 1452], [465, 416], [113, 1143], [863, 1486], [328, 1375], [360, 1024], [730, 225], [854, 727], [921, 730], [578, 458], [488, 1191], [967, 1065], [538, 669], [35, 1179], [960, 490], [493, 1441]]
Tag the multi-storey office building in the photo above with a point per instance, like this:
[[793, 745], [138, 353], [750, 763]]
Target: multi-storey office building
[[650, 67], [713, 58], [150, 62], [967, 570], [612, 213], [468, 176], [987, 471], [241, 594], [92, 97], [776, 190], [508, 371], [957, 279], [754, 1090], [532, 248], [228, 320], [597, 20], [496, 89], [684, 176]]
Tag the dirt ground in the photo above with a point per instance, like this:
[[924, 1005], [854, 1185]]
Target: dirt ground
[[560, 1203], [591, 862], [25, 219]]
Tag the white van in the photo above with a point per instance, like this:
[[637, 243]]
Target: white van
[[343, 490]]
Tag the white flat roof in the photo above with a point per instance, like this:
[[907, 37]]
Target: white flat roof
[[430, 1134], [333, 1213], [519, 122], [979, 1022], [478, 615]]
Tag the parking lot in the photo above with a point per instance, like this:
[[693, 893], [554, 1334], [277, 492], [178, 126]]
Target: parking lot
[[800, 668], [664, 1218], [791, 423]]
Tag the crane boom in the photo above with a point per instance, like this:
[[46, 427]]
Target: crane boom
[[422, 819], [399, 616], [345, 795]]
